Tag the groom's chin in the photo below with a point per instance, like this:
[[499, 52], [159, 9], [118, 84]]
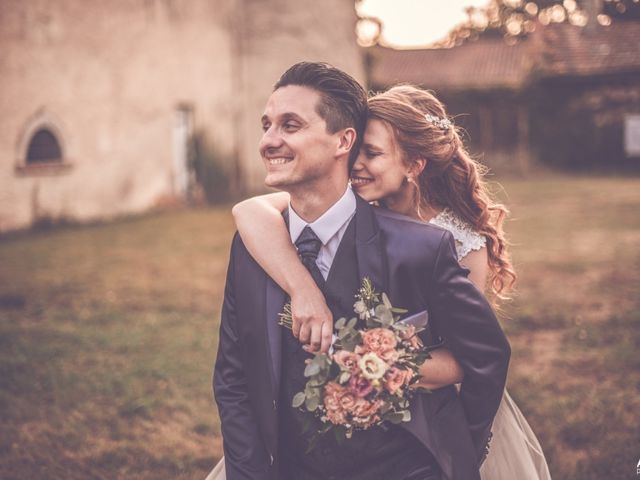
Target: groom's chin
[[272, 182], [276, 180]]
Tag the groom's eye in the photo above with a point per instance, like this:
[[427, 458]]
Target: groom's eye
[[289, 127]]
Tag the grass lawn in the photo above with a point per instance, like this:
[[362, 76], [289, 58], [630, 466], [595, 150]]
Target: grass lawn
[[108, 334]]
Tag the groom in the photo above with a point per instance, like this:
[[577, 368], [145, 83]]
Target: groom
[[313, 125]]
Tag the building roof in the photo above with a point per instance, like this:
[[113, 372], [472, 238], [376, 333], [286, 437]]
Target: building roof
[[567, 50], [490, 63], [485, 63]]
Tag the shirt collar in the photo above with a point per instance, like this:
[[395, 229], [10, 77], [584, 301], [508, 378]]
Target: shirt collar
[[329, 222]]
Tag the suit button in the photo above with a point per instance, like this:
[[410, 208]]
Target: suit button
[[274, 405]]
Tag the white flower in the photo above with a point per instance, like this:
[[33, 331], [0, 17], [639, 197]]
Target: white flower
[[372, 366], [361, 310]]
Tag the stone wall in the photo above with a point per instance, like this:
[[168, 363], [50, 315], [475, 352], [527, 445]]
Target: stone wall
[[111, 80]]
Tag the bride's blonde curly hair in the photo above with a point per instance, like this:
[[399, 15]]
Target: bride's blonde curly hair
[[451, 178]]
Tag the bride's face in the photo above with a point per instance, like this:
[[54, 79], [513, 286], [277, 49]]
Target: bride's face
[[379, 171]]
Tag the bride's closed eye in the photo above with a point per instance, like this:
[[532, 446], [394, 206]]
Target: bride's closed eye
[[371, 153]]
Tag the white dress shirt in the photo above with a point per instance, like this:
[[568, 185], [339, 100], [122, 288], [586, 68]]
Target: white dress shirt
[[329, 228]]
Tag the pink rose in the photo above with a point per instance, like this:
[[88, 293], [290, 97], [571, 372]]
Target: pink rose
[[346, 360], [333, 387], [365, 408], [378, 340], [337, 417], [396, 378], [332, 394], [360, 386], [389, 356], [347, 401]]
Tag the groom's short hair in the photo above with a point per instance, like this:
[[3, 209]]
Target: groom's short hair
[[343, 101]]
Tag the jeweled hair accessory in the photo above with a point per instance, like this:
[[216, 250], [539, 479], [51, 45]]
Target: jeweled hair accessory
[[443, 123]]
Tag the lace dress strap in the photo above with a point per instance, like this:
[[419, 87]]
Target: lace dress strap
[[467, 239]]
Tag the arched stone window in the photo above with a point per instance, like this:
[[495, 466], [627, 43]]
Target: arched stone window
[[43, 147]]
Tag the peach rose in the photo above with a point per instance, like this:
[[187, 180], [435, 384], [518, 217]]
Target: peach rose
[[346, 360], [364, 408], [332, 394], [337, 417], [389, 356], [379, 340], [396, 378], [347, 401]]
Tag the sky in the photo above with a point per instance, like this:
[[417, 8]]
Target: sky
[[416, 23]]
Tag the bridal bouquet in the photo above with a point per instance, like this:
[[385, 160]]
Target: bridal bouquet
[[366, 378]]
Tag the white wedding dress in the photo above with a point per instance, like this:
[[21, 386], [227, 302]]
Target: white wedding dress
[[514, 450]]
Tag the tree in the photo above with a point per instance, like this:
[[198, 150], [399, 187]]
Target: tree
[[515, 19]]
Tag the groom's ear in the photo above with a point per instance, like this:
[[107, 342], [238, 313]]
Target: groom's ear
[[346, 141]]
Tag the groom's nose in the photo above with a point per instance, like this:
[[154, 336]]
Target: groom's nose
[[271, 140]]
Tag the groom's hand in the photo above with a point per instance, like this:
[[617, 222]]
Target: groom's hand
[[312, 319]]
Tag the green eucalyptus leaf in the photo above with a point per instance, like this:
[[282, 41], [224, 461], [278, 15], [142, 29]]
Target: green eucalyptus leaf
[[298, 400], [307, 422], [311, 369], [385, 300], [311, 403], [343, 333]]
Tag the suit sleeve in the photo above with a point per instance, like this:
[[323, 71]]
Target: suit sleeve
[[467, 323], [245, 455]]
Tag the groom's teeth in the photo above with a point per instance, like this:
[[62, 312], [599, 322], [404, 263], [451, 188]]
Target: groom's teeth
[[277, 161]]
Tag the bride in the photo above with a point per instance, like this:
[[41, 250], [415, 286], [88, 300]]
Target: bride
[[413, 162]]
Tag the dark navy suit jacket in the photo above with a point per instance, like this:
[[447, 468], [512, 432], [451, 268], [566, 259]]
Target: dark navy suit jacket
[[415, 263]]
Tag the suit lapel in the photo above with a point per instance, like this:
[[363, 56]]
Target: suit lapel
[[372, 260], [275, 300]]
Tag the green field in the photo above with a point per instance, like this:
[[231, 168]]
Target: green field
[[108, 335]]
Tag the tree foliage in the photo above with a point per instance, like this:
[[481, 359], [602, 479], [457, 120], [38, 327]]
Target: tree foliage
[[515, 19]]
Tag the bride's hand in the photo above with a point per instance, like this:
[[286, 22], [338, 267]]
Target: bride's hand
[[312, 319], [440, 370]]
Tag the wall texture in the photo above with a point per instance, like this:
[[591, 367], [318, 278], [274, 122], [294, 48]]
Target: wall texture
[[113, 79]]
